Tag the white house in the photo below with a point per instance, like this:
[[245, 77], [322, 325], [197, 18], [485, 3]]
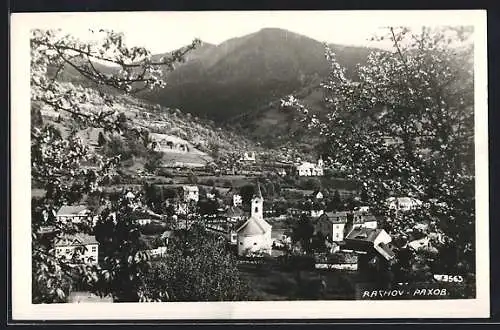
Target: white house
[[310, 169], [318, 194], [158, 252], [170, 143], [255, 234], [143, 222], [49, 113], [418, 244], [237, 200], [129, 195], [403, 204], [362, 219], [248, 157], [191, 193], [367, 240], [317, 213], [81, 247], [332, 224], [74, 214]]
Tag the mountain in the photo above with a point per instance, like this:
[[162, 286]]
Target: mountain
[[224, 82]]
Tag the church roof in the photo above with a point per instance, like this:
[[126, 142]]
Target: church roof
[[258, 193], [254, 226]]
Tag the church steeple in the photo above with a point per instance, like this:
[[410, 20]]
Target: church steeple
[[258, 193], [257, 210]]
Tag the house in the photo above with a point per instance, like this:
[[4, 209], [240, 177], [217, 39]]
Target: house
[[248, 157], [79, 247], [191, 193], [234, 214], [364, 219], [369, 241], [403, 204], [74, 214], [420, 244], [310, 169], [317, 194], [129, 195], [158, 252], [362, 209], [255, 234], [281, 172], [170, 143], [317, 213], [237, 200], [332, 225], [49, 113]]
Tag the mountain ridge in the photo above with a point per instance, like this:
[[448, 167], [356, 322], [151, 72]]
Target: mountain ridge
[[244, 73]]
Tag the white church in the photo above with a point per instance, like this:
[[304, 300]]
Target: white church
[[255, 234]]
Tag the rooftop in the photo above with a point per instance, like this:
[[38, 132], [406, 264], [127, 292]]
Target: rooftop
[[234, 211], [254, 226], [76, 240], [363, 234], [72, 210]]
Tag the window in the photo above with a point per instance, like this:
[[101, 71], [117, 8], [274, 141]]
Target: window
[[256, 209], [67, 250], [94, 249], [254, 243], [241, 243]]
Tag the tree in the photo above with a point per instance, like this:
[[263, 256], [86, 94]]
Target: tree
[[335, 203], [406, 128], [208, 206], [101, 140], [36, 116], [154, 160], [197, 267], [303, 232], [246, 193], [56, 161]]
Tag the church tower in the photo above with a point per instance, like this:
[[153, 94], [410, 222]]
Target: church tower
[[257, 204]]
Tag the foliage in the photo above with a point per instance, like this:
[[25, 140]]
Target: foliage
[[208, 206], [101, 140], [406, 128], [56, 162], [303, 232], [153, 161], [197, 267], [246, 193]]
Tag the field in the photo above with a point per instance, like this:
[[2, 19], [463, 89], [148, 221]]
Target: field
[[271, 282]]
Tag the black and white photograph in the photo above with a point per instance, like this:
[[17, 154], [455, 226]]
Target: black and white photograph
[[261, 164]]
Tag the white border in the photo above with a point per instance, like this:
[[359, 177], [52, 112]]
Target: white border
[[22, 309]]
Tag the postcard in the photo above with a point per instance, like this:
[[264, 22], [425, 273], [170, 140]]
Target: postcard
[[242, 165]]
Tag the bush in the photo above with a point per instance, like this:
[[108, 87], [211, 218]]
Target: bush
[[153, 228]]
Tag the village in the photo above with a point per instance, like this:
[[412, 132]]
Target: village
[[323, 230]]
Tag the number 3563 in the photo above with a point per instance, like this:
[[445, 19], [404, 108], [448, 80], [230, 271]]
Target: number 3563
[[449, 278]]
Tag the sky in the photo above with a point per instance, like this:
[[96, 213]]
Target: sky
[[165, 31]]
